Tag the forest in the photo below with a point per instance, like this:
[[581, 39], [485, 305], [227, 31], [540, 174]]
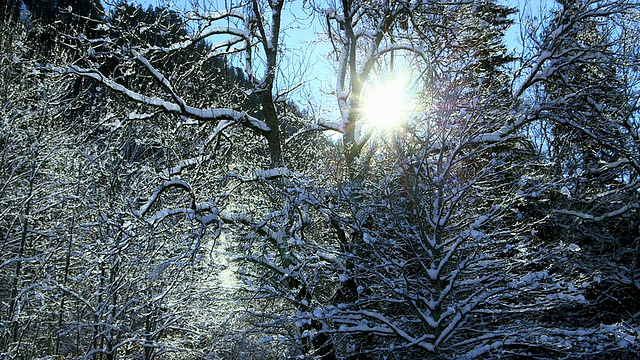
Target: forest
[[177, 183]]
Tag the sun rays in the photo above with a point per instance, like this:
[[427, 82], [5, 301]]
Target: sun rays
[[387, 104]]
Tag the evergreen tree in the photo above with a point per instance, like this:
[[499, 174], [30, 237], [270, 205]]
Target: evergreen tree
[[585, 105], [146, 210]]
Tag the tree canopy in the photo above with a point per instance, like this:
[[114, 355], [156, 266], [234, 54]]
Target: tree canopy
[[170, 188]]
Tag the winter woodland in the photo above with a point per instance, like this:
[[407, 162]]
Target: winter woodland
[[172, 186]]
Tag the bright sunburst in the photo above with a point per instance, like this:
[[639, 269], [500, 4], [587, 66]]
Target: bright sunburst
[[387, 104]]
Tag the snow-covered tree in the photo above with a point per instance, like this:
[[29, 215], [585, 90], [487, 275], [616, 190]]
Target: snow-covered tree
[[420, 238], [84, 275], [163, 196], [586, 117]]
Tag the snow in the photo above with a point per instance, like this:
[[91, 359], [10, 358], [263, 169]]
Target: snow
[[272, 173], [597, 218], [543, 56], [480, 220], [476, 235], [368, 239], [399, 47], [318, 314], [491, 138], [239, 35], [202, 114], [568, 297], [433, 273], [175, 182], [482, 349], [532, 278], [209, 218], [168, 173], [265, 339]]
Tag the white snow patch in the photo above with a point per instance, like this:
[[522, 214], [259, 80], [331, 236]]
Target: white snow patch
[[318, 314], [574, 247]]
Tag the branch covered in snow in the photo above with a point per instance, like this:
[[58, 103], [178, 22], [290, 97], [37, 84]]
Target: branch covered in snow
[[597, 218], [171, 107]]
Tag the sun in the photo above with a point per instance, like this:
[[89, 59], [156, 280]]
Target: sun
[[387, 104]]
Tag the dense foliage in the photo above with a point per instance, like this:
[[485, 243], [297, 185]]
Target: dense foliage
[[163, 193]]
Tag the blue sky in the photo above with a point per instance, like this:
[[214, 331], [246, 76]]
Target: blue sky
[[307, 57], [320, 76]]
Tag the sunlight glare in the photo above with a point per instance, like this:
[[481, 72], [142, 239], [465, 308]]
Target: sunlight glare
[[387, 104]]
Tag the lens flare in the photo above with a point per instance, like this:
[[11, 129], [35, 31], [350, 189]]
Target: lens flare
[[386, 104]]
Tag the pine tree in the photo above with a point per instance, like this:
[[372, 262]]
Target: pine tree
[[586, 108]]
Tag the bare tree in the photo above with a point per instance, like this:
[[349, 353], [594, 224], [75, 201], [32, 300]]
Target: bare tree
[[437, 239]]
